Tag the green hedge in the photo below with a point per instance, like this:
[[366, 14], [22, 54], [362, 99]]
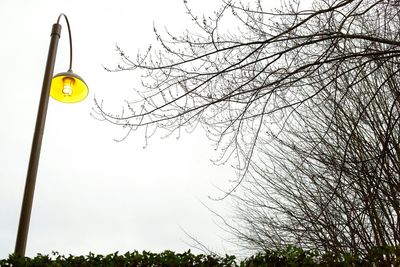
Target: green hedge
[[291, 256]]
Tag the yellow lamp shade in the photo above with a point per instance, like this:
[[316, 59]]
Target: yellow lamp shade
[[67, 87]]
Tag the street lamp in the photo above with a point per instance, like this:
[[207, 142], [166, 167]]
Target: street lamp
[[66, 87]]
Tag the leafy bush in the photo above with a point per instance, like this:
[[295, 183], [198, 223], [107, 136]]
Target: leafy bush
[[290, 256]]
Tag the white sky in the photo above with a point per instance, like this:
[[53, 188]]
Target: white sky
[[94, 194]]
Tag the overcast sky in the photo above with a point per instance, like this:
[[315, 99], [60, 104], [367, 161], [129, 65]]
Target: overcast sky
[[92, 193]]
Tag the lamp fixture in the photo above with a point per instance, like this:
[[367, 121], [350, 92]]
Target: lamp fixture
[[68, 87]]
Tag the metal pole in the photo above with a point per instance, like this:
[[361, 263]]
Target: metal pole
[[26, 209]]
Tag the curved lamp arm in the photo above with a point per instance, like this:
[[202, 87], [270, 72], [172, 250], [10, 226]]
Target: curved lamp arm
[[70, 39]]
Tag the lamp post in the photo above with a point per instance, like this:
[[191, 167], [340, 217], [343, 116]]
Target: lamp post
[[65, 87]]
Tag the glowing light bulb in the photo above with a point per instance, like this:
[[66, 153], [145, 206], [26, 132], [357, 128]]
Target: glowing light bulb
[[68, 84]]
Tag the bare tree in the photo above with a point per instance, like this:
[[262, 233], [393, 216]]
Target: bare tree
[[330, 180], [305, 99]]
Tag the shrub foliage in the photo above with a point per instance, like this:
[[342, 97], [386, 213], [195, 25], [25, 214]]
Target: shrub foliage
[[290, 256]]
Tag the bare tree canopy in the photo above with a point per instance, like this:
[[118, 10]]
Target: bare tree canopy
[[307, 101]]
